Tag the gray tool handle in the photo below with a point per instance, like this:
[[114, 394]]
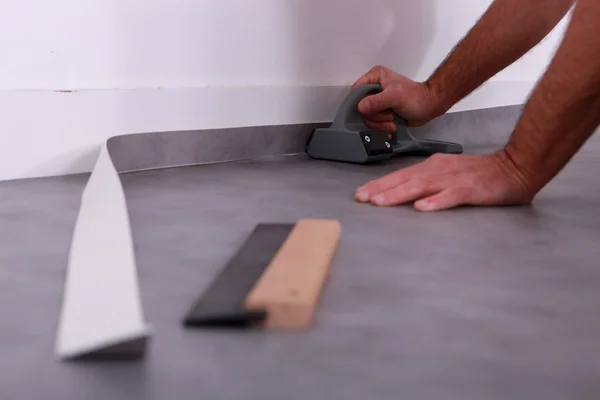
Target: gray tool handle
[[402, 141], [348, 110]]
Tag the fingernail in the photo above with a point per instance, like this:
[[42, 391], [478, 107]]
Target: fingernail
[[378, 200], [362, 195], [424, 205]]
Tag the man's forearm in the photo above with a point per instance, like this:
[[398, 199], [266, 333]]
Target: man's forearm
[[564, 109], [505, 32]]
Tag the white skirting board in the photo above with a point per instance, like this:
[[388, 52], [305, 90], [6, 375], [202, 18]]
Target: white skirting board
[[69, 127], [101, 305]]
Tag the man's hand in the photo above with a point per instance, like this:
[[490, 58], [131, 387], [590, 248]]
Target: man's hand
[[413, 101], [445, 181]]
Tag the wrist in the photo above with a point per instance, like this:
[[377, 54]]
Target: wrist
[[516, 166], [438, 97]]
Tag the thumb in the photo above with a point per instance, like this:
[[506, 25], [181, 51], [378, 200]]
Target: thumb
[[376, 103]]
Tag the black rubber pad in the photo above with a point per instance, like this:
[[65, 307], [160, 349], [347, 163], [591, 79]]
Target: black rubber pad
[[222, 305]]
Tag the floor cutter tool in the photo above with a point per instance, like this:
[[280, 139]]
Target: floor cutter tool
[[349, 139]]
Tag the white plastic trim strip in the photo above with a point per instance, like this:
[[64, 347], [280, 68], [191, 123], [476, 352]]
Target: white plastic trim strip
[[101, 304]]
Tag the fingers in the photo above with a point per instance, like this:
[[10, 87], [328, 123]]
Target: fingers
[[427, 184], [377, 103], [367, 192], [444, 200], [373, 76], [389, 127], [381, 121], [375, 108], [385, 116], [366, 79], [427, 195], [409, 191]]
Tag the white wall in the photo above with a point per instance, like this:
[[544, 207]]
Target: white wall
[[188, 64]]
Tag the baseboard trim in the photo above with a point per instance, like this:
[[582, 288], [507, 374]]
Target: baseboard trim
[[48, 133]]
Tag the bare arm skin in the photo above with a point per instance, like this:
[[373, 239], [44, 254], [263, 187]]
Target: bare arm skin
[[563, 111], [504, 33]]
